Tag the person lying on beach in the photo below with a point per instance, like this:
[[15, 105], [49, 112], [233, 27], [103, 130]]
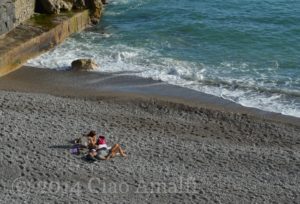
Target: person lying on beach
[[103, 152]]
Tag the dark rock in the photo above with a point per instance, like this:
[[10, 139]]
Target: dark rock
[[53, 6], [66, 5], [83, 65], [95, 7], [79, 4], [48, 6]]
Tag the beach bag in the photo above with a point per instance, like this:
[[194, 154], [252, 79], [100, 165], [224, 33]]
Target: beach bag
[[75, 149]]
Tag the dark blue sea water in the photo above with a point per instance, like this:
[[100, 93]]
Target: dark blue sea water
[[247, 51]]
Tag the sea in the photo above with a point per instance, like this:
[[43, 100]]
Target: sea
[[246, 51]]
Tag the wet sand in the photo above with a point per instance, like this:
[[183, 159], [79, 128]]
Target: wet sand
[[183, 146]]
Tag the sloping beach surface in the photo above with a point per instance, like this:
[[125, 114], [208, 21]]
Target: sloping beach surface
[[178, 151]]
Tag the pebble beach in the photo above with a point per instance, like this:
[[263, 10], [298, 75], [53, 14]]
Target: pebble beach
[[178, 151]]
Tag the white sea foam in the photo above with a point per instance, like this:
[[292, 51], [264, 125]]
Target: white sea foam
[[218, 81], [118, 2]]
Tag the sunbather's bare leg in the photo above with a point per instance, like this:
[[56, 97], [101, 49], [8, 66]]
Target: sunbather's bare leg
[[122, 152], [114, 150]]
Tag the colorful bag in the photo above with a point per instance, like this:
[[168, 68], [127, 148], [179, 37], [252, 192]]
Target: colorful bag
[[75, 149]]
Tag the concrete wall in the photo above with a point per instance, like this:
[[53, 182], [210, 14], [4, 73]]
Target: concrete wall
[[14, 12], [16, 48]]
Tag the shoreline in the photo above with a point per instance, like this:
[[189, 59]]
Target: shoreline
[[93, 85], [182, 146], [179, 150]]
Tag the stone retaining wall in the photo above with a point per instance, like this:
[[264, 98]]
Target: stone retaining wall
[[14, 12], [36, 36]]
